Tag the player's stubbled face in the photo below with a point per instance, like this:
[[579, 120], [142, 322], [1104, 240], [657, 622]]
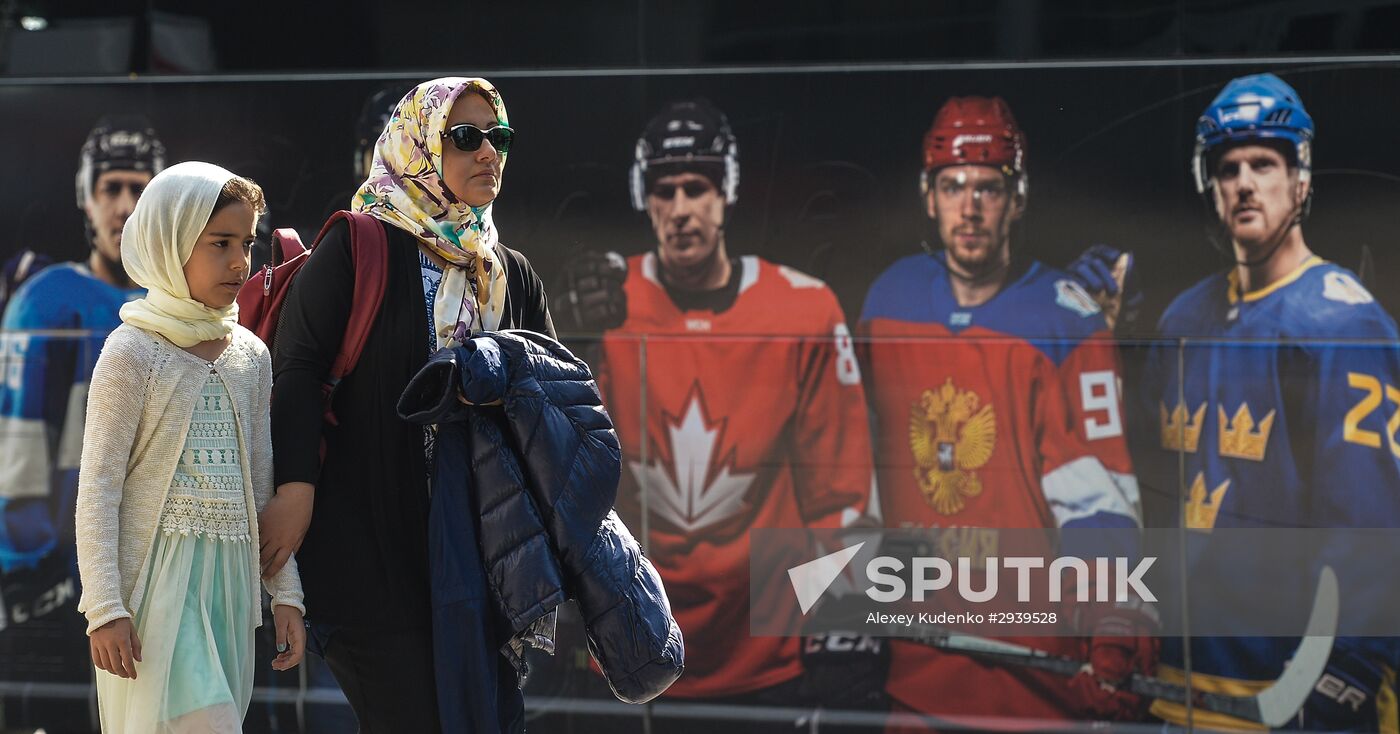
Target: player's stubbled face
[[973, 207], [113, 199], [687, 215], [1257, 193]]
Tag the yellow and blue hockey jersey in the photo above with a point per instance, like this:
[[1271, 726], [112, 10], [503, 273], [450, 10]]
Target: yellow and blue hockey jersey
[[1276, 408]]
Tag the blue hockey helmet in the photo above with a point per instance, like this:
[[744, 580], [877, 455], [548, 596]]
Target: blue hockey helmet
[[1260, 107]]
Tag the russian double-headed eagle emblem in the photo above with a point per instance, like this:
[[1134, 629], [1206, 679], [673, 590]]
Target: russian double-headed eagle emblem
[[951, 437]]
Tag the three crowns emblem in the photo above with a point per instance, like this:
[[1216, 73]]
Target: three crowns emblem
[[1239, 436]]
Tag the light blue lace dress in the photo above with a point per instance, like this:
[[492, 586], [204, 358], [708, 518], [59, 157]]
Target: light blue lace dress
[[197, 619]]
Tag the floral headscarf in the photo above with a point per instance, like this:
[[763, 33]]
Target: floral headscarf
[[405, 189]]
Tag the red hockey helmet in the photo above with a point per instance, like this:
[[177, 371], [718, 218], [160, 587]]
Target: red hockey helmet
[[978, 131]]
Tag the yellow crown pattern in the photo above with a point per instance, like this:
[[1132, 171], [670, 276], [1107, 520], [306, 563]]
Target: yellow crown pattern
[[951, 435], [1238, 436], [1179, 434], [1200, 515]]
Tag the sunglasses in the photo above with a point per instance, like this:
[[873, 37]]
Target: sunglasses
[[468, 137], [692, 189]]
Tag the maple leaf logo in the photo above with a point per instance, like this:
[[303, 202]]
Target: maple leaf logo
[[697, 490]]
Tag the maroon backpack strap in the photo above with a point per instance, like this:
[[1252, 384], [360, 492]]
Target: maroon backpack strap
[[369, 246], [286, 245]]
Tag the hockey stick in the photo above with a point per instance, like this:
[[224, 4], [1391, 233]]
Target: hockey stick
[[1273, 706]]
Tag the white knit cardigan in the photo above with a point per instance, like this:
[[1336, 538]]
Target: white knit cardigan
[[140, 403]]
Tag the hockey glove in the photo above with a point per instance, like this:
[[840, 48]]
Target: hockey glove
[[1344, 698], [594, 300], [845, 670], [1108, 274], [1122, 643]]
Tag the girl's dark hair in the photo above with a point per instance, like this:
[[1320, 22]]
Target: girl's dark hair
[[244, 190]]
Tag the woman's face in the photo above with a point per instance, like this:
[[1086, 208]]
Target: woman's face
[[474, 176]]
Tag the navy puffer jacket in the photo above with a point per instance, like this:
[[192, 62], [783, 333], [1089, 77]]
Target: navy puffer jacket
[[531, 482]]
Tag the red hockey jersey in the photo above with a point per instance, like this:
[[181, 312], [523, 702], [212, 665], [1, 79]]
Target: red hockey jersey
[[755, 417], [1003, 415]]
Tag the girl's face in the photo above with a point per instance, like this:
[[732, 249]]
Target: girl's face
[[474, 176], [218, 265]]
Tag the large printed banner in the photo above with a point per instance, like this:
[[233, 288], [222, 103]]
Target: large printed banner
[[828, 162], [989, 311]]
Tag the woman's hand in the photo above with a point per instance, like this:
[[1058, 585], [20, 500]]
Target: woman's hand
[[282, 525], [463, 400], [116, 648], [291, 637]]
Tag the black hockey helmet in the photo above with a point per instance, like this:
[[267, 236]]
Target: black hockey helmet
[[374, 116], [118, 143], [691, 135]]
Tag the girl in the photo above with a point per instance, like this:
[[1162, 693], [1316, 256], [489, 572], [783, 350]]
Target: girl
[[177, 458]]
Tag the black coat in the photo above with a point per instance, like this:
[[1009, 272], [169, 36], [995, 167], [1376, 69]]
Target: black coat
[[365, 558]]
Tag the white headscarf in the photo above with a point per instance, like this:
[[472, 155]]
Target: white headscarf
[[157, 241]]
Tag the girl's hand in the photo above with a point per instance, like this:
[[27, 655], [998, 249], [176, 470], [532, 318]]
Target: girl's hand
[[282, 525], [291, 637], [116, 648]]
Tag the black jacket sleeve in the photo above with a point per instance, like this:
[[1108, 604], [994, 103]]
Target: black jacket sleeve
[[310, 329], [529, 307]]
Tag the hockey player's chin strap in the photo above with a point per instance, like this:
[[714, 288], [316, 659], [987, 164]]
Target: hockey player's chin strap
[[1295, 218], [969, 280], [981, 279], [115, 269]]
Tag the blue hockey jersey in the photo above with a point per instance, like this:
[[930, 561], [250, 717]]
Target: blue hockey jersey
[[53, 330], [1273, 408]]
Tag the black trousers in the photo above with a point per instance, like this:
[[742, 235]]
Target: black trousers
[[386, 673]]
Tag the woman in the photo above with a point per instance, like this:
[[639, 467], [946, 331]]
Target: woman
[[363, 511]]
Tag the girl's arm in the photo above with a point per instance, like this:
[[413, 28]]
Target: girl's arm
[[114, 407], [285, 585]]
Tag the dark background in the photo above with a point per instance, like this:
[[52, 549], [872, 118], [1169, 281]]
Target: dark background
[[361, 35], [829, 99], [829, 159]]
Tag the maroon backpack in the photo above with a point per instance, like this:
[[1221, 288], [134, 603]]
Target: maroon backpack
[[260, 299]]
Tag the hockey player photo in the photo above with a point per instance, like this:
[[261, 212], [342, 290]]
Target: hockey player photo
[[754, 410], [1283, 410], [998, 407], [54, 326]]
